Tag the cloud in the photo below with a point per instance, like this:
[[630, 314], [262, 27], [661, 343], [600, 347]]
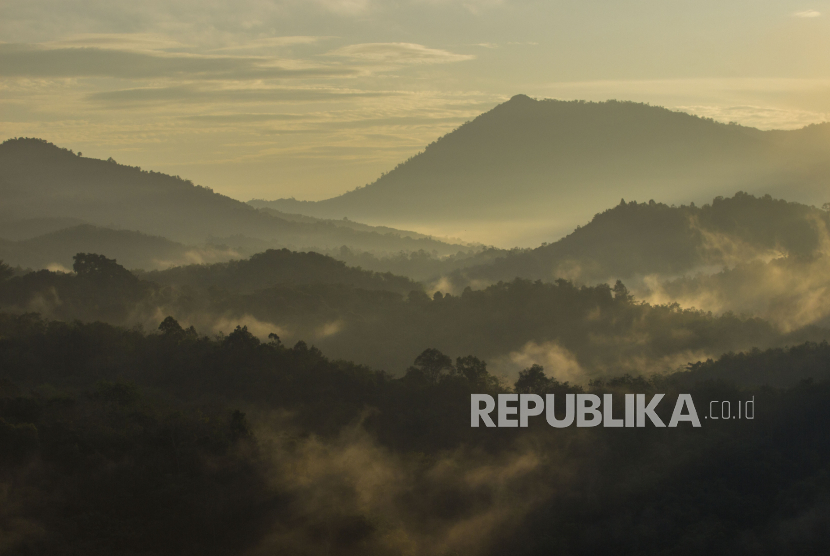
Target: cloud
[[788, 291], [57, 267], [199, 255], [329, 329], [765, 103], [467, 500], [398, 53], [195, 94], [475, 7], [807, 13], [558, 362], [762, 117], [260, 329], [17, 60], [391, 121], [243, 118], [329, 124], [122, 41], [344, 7], [273, 42]]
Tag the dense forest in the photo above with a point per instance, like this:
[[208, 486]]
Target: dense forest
[[667, 245], [589, 331], [121, 442], [652, 238]]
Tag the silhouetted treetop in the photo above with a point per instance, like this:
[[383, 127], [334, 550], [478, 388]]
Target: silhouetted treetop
[[6, 271], [98, 267]]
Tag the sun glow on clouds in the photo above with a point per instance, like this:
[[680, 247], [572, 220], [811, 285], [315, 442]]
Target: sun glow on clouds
[[807, 13], [398, 53], [271, 43]]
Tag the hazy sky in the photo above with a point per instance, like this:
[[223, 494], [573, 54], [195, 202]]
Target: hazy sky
[[311, 98]]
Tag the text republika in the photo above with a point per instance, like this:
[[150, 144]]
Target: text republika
[[586, 410]]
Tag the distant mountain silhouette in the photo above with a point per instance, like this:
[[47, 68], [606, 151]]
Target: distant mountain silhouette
[[556, 161], [41, 181], [28, 228], [131, 249], [448, 245], [653, 238], [274, 267]]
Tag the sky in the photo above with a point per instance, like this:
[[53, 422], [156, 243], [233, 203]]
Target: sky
[[312, 98]]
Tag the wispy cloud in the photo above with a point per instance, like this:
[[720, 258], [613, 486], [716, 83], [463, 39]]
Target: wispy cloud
[[398, 53], [243, 118], [765, 103], [391, 124], [764, 117], [345, 7], [807, 13], [146, 57], [194, 94], [559, 362], [272, 42], [17, 60], [121, 41]]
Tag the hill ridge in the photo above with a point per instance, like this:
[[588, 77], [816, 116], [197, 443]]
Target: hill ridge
[[39, 180], [554, 161]]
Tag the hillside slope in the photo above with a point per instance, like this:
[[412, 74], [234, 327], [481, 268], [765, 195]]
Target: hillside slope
[[634, 239], [554, 162], [441, 245], [39, 180], [131, 249]]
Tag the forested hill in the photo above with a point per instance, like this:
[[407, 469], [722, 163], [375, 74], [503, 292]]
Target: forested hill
[[647, 238], [118, 442], [132, 249], [584, 332], [39, 180], [275, 267], [558, 160]]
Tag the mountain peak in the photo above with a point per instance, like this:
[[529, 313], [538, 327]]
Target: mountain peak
[[520, 99], [29, 144], [552, 160]]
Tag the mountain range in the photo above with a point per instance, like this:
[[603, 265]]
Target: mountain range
[[530, 170], [57, 203], [525, 167], [640, 239]]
